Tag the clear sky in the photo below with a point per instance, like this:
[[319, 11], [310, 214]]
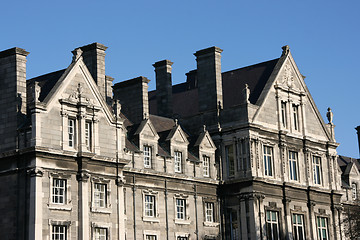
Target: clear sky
[[323, 36]]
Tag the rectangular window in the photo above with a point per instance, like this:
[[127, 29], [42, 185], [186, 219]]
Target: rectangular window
[[268, 158], [293, 167], [149, 206], [317, 170], [243, 163], [71, 132], [234, 225], [230, 160], [100, 233], [298, 227], [147, 156], [354, 191], [180, 209], [283, 114], [59, 191], [322, 228], [59, 232], [296, 117], [206, 166], [272, 225], [99, 195], [178, 162], [88, 135], [150, 237], [209, 212]]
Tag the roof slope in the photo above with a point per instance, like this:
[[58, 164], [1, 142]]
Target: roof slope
[[185, 95]]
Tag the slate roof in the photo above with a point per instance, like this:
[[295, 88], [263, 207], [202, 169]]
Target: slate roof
[[344, 161], [46, 82], [185, 95]]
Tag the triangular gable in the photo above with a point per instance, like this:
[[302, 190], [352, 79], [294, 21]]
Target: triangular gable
[[78, 68], [205, 140], [287, 75], [351, 169], [147, 128], [177, 134]]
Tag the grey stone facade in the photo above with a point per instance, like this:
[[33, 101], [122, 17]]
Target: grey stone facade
[[234, 155]]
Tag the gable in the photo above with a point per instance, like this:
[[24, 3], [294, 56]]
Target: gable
[[204, 141], [287, 85], [147, 130], [177, 135], [76, 84]]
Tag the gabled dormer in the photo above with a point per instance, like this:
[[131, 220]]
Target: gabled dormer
[[204, 148], [177, 143], [146, 138]]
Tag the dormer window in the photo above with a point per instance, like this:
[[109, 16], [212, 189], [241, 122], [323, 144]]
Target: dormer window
[[354, 191], [71, 132], [296, 117], [206, 166], [147, 156], [178, 162], [283, 114]]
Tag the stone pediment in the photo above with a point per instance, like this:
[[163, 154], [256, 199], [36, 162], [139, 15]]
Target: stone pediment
[[177, 135], [147, 130], [204, 141]]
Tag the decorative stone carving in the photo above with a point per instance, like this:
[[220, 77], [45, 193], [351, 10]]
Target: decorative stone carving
[[288, 77], [76, 54], [246, 93], [35, 172], [329, 115]]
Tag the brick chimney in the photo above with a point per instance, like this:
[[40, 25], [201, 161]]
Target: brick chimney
[[133, 96], [94, 58], [164, 88], [209, 78], [12, 95]]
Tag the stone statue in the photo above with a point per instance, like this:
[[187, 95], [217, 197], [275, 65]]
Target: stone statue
[[329, 115], [246, 92]]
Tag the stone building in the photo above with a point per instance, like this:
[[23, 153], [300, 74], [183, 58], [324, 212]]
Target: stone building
[[242, 154]]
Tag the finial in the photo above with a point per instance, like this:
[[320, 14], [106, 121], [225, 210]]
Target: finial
[[176, 122], [145, 116], [36, 93], [204, 128], [286, 50], [330, 115], [77, 52]]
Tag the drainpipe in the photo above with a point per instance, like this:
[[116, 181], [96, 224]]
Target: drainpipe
[[166, 210], [196, 213]]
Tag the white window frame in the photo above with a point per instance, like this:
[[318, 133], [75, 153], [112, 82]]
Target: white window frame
[[283, 114], [295, 109], [149, 206], [100, 195], [180, 208], [206, 166], [147, 156], [55, 195], [178, 161], [293, 166], [88, 134], [354, 190], [321, 228], [100, 233], [317, 170], [268, 155], [209, 212], [71, 132], [59, 235], [298, 224], [273, 224]]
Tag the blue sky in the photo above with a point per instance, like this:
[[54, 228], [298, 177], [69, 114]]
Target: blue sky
[[323, 36]]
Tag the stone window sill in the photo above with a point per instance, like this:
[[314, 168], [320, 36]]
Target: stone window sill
[[101, 210], [150, 219], [211, 224], [60, 207], [183, 222]]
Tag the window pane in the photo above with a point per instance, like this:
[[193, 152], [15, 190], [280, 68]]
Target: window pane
[[147, 156], [59, 191], [178, 162], [99, 195]]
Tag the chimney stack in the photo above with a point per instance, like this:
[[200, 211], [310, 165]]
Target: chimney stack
[[209, 78], [12, 95], [133, 96], [164, 88], [94, 58]]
